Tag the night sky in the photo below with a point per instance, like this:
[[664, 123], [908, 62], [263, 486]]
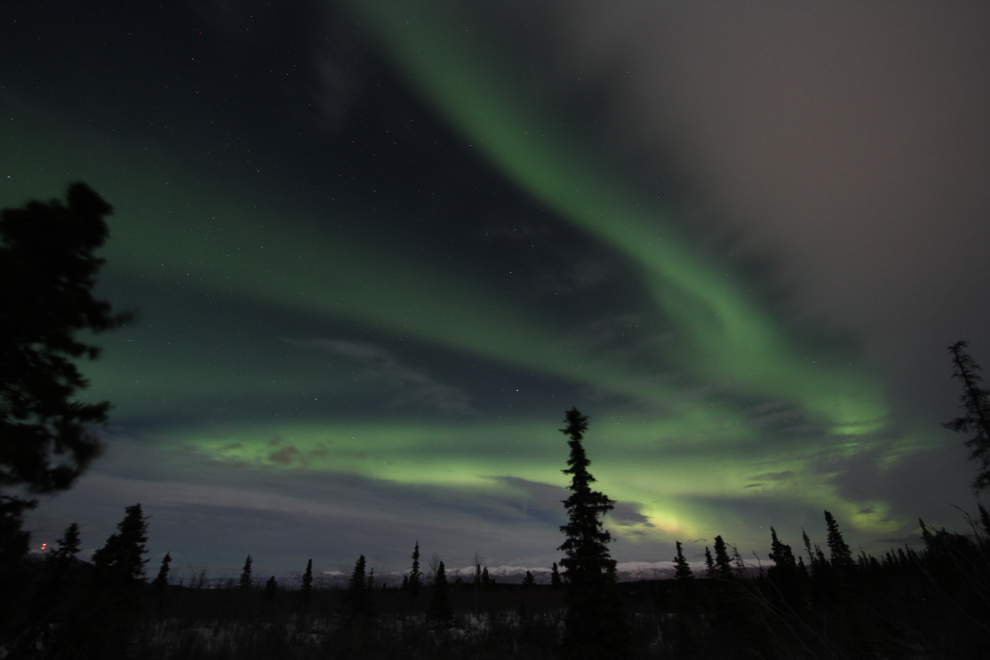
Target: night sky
[[377, 248]]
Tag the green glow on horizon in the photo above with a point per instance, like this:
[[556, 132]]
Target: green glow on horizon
[[671, 493]]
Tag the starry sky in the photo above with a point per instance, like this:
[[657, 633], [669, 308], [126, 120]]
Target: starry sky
[[377, 248]]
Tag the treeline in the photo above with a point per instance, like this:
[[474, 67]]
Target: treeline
[[906, 603], [932, 602]]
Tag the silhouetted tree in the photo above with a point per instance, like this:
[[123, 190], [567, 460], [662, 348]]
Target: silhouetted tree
[[595, 625], [780, 553], [245, 581], [69, 545], [357, 601], [160, 582], [709, 564], [485, 578], [307, 584], [121, 559], [554, 576], [723, 564], [784, 572], [414, 574], [440, 610], [839, 552], [976, 421], [683, 581], [529, 580], [48, 271], [682, 570]]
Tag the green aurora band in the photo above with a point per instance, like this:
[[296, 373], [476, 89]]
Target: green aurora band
[[178, 229]]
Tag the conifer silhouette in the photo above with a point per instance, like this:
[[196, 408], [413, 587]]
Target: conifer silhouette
[[840, 554], [307, 584], [976, 401], [47, 249], [121, 559], [358, 599], [554, 576], [682, 570], [161, 580], [595, 625], [723, 564], [440, 611], [66, 548], [780, 553], [414, 573], [245, 581]]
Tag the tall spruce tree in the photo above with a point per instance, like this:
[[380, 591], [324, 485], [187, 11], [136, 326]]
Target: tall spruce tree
[[595, 627], [554, 576], [976, 421], [414, 573]]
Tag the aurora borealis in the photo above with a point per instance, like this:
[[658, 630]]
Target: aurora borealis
[[378, 248]]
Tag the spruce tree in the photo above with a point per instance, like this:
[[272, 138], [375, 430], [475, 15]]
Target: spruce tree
[[554, 576], [784, 572], [121, 560], [245, 581], [529, 580], [307, 584], [161, 580], [682, 570], [357, 601], [440, 611], [976, 401], [69, 545], [723, 564], [414, 573], [48, 269], [683, 582], [594, 625], [780, 553], [709, 564], [840, 554]]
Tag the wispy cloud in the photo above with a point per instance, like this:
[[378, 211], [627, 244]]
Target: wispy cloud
[[413, 387]]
